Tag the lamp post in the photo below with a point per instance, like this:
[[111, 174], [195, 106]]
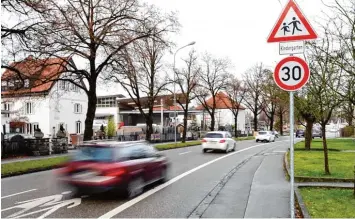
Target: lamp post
[[190, 44]]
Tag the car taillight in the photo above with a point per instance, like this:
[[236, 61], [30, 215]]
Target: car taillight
[[203, 140], [117, 172], [222, 141]]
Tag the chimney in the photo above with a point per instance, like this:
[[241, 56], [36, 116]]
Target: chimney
[[30, 57]]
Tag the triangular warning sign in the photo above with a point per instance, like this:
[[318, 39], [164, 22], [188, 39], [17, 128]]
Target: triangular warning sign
[[291, 26]]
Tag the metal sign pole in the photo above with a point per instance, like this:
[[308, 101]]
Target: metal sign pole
[[292, 202]]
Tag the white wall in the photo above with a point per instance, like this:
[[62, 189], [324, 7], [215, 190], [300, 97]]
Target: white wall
[[224, 117], [107, 110], [40, 112], [62, 101]]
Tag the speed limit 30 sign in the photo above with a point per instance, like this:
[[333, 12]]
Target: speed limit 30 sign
[[291, 73]]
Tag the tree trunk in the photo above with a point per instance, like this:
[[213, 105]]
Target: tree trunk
[[90, 114], [308, 134], [272, 122], [281, 123], [325, 149], [212, 120], [236, 125], [185, 125], [255, 121], [149, 131]]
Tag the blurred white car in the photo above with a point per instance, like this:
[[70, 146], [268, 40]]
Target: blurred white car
[[218, 140], [265, 136]]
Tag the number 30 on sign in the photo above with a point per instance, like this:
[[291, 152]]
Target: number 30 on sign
[[291, 73]]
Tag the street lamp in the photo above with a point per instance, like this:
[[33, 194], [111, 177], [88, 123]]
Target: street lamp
[[190, 44]]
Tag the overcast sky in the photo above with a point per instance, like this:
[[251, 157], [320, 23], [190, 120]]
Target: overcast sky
[[237, 29]]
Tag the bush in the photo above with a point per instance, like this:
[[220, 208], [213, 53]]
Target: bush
[[348, 131], [111, 127]]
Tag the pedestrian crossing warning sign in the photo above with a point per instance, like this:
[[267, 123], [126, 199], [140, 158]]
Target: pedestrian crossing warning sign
[[292, 25]]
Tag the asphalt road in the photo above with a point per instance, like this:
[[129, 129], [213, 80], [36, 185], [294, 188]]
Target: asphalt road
[[246, 183]]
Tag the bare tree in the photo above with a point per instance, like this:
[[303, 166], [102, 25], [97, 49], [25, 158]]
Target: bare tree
[[236, 94], [212, 80], [270, 93], [324, 83], [253, 83], [187, 81], [140, 74], [94, 31]]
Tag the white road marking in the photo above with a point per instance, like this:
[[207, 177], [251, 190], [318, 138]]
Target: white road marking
[[185, 152], [132, 202], [18, 193]]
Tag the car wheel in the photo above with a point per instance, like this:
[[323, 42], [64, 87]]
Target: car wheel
[[135, 187], [234, 147], [164, 175], [204, 150], [257, 140]]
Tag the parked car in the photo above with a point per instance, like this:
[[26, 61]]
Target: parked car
[[316, 133], [265, 136], [124, 167], [218, 140], [299, 133]]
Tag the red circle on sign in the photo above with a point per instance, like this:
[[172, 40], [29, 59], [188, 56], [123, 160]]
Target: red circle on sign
[[300, 84]]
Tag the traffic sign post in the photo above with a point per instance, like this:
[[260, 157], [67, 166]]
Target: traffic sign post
[[291, 73]]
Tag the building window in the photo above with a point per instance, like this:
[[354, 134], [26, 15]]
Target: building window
[[29, 108], [7, 106], [3, 85], [78, 127], [27, 83], [75, 88], [78, 108], [106, 102], [62, 85]]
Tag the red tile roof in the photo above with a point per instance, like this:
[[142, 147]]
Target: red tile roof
[[170, 108], [222, 102], [36, 70]]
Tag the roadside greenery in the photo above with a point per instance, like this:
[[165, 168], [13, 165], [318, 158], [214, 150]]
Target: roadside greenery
[[311, 164], [333, 144], [111, 127], [21, 167], [329, 203], [162, 147], [245, 138]]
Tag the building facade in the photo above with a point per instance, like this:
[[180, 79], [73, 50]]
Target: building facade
[[45, 106]]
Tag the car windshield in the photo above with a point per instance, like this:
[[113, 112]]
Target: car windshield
[[262, 133], [214, 135], [98, 154]]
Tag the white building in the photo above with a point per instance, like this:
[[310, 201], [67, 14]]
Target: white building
[[44, 106], [223, 113]]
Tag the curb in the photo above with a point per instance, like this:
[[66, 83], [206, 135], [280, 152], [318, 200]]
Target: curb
[[177, 147], [300, 204]]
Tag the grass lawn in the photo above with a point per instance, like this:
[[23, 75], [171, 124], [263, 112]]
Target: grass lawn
[[25, 166], [329, 203], [311, 164], [245, 138], [161, 147], [338, 144]]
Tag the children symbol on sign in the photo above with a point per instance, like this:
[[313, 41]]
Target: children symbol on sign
[[295, 22], [285, 28]]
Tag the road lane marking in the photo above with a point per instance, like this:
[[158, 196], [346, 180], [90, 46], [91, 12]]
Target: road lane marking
[[184, 152], [19, 193], [132, 202]]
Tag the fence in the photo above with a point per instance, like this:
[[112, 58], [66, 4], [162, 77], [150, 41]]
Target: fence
[[18, 145]]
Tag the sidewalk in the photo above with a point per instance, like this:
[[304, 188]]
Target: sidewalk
[[258, 189]]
